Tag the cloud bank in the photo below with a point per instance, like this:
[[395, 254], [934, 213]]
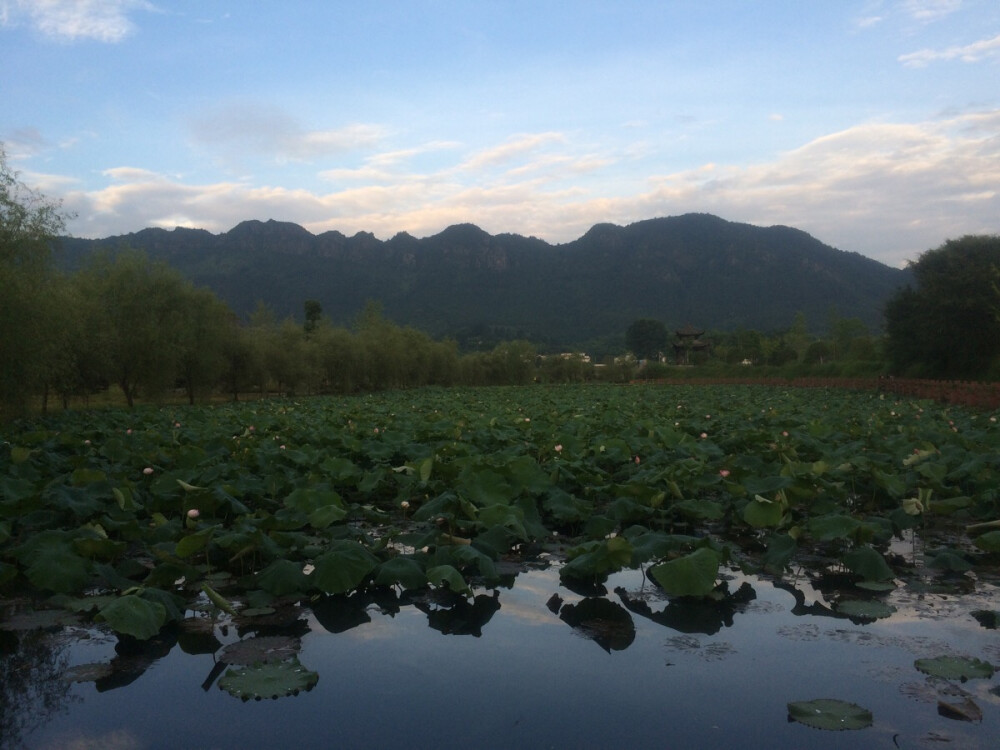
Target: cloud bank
[[886, 190]]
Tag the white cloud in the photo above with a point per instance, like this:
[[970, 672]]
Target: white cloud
[[970, 53], [248, 128], [514, 147], [101, 20], [887, 190], [928, 11]]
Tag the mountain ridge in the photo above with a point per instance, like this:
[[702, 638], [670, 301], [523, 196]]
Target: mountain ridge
[[694, 268]]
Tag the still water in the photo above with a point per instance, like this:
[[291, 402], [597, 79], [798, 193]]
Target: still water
[[528, 665]]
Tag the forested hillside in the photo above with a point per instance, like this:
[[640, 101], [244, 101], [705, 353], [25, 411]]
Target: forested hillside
[[468, 284]]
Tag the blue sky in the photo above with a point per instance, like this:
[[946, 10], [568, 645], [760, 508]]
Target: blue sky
[[872, 124]]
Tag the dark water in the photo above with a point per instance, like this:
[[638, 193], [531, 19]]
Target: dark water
[[519, 669]]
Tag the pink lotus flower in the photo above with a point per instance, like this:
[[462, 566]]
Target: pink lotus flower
[[148, 470], [784, 433], [558, 448], [193, 513], [723, 473], [636, 460], [704, 435]]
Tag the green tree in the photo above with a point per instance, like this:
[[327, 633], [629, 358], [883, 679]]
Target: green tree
[[135, 320], [203, 337], [29, 316], [949, 325], [647, 338], [313, 313]]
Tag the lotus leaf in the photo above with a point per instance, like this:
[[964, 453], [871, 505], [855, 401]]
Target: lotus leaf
[[955, 667], [134, 616], [829, 713], [268, 680], [692, 575], [988, 542], [868, 563], [447, 574], [342, 567], [402, 570], [865, 610]]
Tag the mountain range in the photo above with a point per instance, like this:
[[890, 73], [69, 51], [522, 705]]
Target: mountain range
[[695, 269]]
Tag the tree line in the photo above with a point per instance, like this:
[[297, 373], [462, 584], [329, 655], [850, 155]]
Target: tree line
[[127, 322]]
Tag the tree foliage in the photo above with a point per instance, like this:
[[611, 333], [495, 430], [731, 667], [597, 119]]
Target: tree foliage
[[647, 338], [30, 316], [949, 325]]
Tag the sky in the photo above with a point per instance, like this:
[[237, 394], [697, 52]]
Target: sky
[[874, 125]]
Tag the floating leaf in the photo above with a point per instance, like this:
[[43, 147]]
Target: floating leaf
[[134, 616], [988, 542], [282, 577], [692, 575], [828, 713], [342, 567], [402, 570], [448, 574], [955, 667], [268, 680], [868, 563], [964, 710], [865, 610]]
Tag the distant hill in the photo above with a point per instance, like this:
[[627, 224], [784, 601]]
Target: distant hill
[[465, 283]]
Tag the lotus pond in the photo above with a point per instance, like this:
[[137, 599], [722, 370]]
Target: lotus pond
[[584, 566]]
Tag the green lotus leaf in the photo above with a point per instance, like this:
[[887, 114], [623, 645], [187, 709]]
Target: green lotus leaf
[[448, 574], [402, 570], [282, 577], [829, 713], [597, 558], [866, 610], [57, 568], [342, 567], [830, 527], [135, 616], [988, 542], [780, 548], [955, 667], [268, 680], [692, 575], [868, 563], [763, 513]]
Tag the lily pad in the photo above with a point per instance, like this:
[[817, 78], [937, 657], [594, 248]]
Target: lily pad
[[955, 667], [829, 713], [865, 610], [268, 680]]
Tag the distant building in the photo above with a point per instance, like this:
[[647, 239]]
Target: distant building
[[688, 341]]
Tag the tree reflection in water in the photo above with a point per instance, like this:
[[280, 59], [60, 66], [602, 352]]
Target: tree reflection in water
[[32, 690]]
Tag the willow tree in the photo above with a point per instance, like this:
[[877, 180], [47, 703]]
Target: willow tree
[[29, 224]]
